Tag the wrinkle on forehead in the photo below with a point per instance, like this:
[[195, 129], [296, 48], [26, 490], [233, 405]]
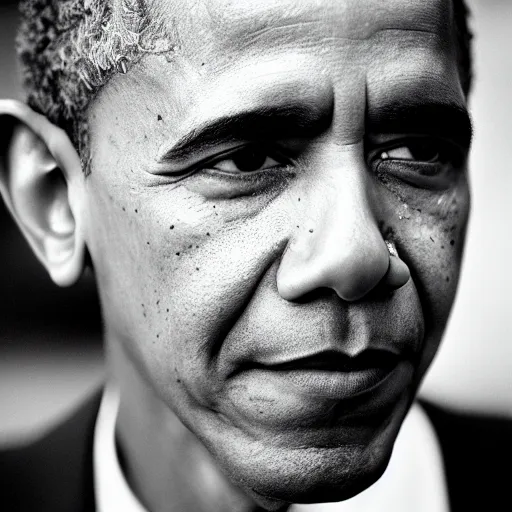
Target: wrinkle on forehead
[[221, 32], [302, 29], [115, 34], [349, 19]]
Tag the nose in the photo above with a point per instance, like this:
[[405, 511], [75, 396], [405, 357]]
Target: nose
[[336, 242]]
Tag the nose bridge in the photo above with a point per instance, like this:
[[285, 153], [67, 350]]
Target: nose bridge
[[338, 245], [346, 211]]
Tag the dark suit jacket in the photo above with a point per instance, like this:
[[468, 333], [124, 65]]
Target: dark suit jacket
[[55, 473]]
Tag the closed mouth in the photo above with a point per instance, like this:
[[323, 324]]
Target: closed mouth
[[335, 361], [333, 374]]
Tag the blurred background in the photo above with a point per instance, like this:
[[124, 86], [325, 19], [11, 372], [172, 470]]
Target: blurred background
[[50, 338]]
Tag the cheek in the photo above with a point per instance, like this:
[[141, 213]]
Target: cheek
[[141, 248], [439, 235], [174, 271], [431, 235]]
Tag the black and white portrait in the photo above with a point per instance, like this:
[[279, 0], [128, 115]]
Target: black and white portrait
[[234, 232]]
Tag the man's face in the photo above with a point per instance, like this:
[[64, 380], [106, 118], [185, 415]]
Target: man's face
[[240, 195]]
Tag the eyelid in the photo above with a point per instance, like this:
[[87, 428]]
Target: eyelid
[[270, 149], [377, 148], [438, 174], [218, 157], [178, 170]]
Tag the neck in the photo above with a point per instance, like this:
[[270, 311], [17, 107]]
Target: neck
[[165, 464]]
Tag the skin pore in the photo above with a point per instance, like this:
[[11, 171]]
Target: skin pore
[[236, 215]]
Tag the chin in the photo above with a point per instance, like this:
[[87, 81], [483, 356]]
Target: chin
[[275, 475], [320, 476]]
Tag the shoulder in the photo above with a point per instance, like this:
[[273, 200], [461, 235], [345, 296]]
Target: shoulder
[[476, 450], [55, 472]]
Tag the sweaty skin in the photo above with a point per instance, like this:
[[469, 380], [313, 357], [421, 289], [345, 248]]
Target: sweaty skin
[[203, 268]]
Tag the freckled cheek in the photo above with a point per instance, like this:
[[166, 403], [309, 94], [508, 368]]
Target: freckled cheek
[[450, 222], [142, 303], [176, 305], [131, 257], [433, 241], [431, 245]]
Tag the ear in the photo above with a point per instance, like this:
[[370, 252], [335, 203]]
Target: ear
[[42, 184]]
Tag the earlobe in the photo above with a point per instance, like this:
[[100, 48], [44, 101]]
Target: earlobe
[[42, 185]]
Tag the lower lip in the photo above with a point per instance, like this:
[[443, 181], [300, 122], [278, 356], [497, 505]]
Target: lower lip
[[335, 384], [314, 398], [339, 385]]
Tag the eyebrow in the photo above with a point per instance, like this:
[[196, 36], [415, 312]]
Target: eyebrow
[[292, 120], [445, 120]]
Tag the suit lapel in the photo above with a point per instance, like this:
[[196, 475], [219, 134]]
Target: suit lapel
[[54, 473]]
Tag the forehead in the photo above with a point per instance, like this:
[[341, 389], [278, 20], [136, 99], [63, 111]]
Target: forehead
[[239, 25], [337, 37], [238, 54]]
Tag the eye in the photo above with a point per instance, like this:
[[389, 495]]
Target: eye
[[421, 150], [245, 160], [425, 162]]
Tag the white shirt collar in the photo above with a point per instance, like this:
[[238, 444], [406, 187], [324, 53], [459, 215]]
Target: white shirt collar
[[413, 480], [111, 489]]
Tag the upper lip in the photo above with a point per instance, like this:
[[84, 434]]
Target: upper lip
[[332, 360]]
